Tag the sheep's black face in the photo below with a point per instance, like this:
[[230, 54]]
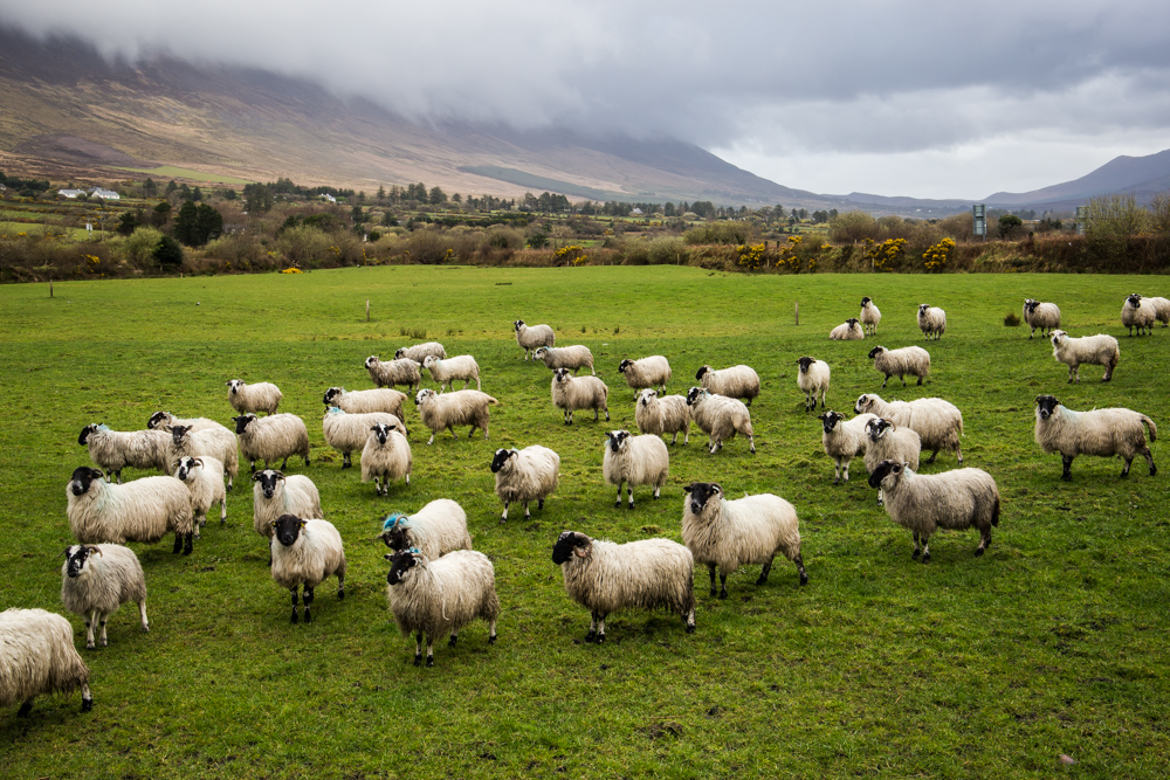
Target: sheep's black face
[[647, 396], [617, 440], [804, 363], [241, 424], [1031, 305], [76, 557], [875, 352], [500, 458], [372, 359], [268, 479], [330, 394], [882, 470], [518, 324], [179, 431], [400, 563], [922, 307], [878, 428], [1046, 406], [186, 466], [862, 404], [287, 529], [400, 353], [396, 539], [1134, 300], [830, 419], [85, 432], [567, 543], [82, 477], [561, 375], [693, 395], [624, 365], [156, 420], [699, 374], [423, 395], [701, 493], [234, 386], [865, 300], [852, 322], [381, 432]]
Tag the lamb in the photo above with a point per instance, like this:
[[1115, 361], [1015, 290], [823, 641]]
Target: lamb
[[434, 597], [438, 528], [1161, 309], [418, 353], [525, 475], [272, 437], [346, 432], [386, 456], [735, 382], [96, 580], [870, 315], [260, 397], [651, 371], [1101, 349], [446, 371], [957, 499], [728, 534], [165, 421], [37, 656], [380, 399], [889, 442], [1045, 316], [849, 330], [720, 418], [571, 393], [1105, 432], [938, 423], [605, 577], [529, 338], [306, 552], [663, 415], [914, 361], [274, 494], [401, 371], [142, 510], [635, 460], [1135, 313], [575, 357], [114, 450], [932, 321], [813, 378], [843, 440], [218, 443], [203, 477], [462, 407]]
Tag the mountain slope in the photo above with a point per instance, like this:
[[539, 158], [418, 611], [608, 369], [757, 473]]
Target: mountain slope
[[1142, 177]]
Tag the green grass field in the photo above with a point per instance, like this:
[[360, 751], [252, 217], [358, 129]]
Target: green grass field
[[174, 171], [1054, 642]]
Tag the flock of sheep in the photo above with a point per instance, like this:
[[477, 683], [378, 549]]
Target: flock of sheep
[[436, 583]]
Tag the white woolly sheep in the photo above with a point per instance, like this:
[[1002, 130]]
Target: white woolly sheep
[[306, 552], [843, 440], [956, 500], [870, 315], [725, 535], [386, 456], [720, 418], [346, 432], [887, 441], [1101, 350], [274, 494], [914, 361], [165, 421], [1136, 313], [219, 443], [813, 378], [259, 397], [531, 337], [438, 528], [1041, 315], [462, 407], [203, 477], [570, 393], [37, 656], [1104, 432], [400, 371], [447, 371], [932, 321], [634, 460], [525, 475], [96, 580], [663, 415], [114, 450], [142, 510], [575, 357], [1161, 308], [938, 423], [849, 330], [419, 352], [604, 577], [380, 399], [734, 382], [272, 437], [650, 371]]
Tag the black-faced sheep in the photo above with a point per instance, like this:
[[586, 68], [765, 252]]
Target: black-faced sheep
[[1104, 432], [386, 456], [114, 450], [734, 382], [932, 321], [260, 397], [142, 510], [938, 423], [218, 443], [650, 371], [914, 361], [849, 330], [380, 399], [164, 421], [419, 352], [270, 438], [525, 475], [1136, 313], [843, 440], [663, 415], [274, 494], [346, 432], [571, 393], [306, 552], [1041, 315], [889, 442], [96, 580], [531, 337], [203, 477], [446, 371], [400, 371], [634, 460], [438, 528], [1101, 350], [720, 418], [37, 656], [813, 378], [575, 357], [870, 315], [462, 407]]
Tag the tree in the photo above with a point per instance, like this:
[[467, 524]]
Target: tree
[[1008, 224], [128, 222], [149, 188], [168, 252], [196, 194], [161, 214], [437, 196], [257, 198], [196, 225]]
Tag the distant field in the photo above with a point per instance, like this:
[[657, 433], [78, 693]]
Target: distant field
[[175, 172], [1052, 643]]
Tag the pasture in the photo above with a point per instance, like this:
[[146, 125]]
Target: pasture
[[1054, 642]]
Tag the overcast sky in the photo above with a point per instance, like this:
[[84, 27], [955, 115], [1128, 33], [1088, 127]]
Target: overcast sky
[[926, 98]]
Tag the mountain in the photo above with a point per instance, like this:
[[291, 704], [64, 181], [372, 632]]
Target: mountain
[[1142, 177]]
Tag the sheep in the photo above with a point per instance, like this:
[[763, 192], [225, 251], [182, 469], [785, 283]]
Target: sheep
[[914, 361], [1045, 316], [870, 315], [96, 580], [272, 437], [1134, 313], [165, 421], [142, 510], [734, 382], [380, 399], [843, 440], [957, 499], [938, 423], [462, 407], [1161, 309], [274, 494], [446, 371], [1105, 432], [663, 415], [219, 443], [418, 353], [260, 397], [635, 460], [114, 450], [887, 441], [438, 528], [651, 371], [203, 477], [575, 357], [529, 338], [347, 432], [728, 534], [571, 393], [932, 321], [525, 475], [306, 552], [434, 597], [720, 418], [604, 577], [386, 456], [849, 330], [1101, 349], [813, 378], [400, 371], [37, 656]]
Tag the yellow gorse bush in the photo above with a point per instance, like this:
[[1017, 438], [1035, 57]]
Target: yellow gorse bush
[[938, 255]]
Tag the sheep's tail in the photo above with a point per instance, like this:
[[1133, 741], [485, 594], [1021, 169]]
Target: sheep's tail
[[1153, 428], [995, 513], [491, 400]]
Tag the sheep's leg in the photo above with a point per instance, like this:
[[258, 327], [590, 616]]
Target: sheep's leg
[[933, 455], [836, 472], [1150, 460], [453, 639], [690, 618], [595, 409], [711, 572], [674, 440], [881, 497], [887, 379], [454, 435], [600, 628], [284, 463], [345, 460], [607, 414], [307, 599], [504, 515], [752, 443], [568, 417], [1066, 462], [686, 435], [418, 640], [178, 547], [617, 504], [471, 432], [1125, 468], [188, 546], [540, 503], [764, 572], [925, 548], [89, 621], [340, 586], [1072, 374], [103, 619], [919, 380], [658, 490], [26, 707], [492, 632], [594, 617], [527, 514], [984, 541], [629, 494], [917, 547], [222, 510], [294, 617], [142, 615], [799, 561], [722, 585], [86, 698], [432, 439]]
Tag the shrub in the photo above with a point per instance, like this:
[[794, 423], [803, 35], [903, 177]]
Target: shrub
[[1011, 320], [937, 256], [168, 252], [718, 233], [668, 250], [140, 246], [853, 226]]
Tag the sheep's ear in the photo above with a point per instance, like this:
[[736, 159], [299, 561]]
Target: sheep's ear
[[389, 556], [93, 550], [256, 476], [67, 549], [582, 551], [689, 488], [197, 462], [272, 525], [303, 522]]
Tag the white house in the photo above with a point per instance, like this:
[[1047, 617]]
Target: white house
[[70, 193], [98, 192]]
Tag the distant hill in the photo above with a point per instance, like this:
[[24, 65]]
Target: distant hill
[[1142, 177]]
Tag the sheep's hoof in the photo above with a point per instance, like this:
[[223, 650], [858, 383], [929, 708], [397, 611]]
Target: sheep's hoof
[[600, 639], [916, 553], [90, 646], [1124, 473], [591, 637], [105, 642], [346, 465], [617, 504], [690, 628], [26, 708], [451, 641], [761, 580], [631, 505], [723, 593], [713, 593], [803, 578], [978, 551], [1153, 470], [178, 546], [926, 557], [492, 639], [86, 705], [1067, 477], [418, 659], [430, 661], [293, 619]]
